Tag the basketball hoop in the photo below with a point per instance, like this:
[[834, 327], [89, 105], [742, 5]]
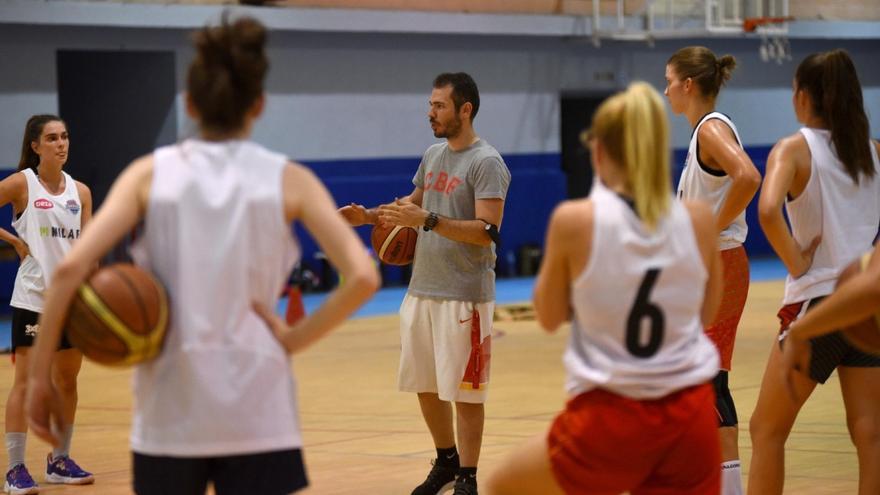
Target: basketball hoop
[[774, 40], [751, 24]]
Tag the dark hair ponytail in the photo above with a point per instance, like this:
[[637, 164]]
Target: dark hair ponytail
[[831, 81], [700, 64], [226, 77], [32, 132]]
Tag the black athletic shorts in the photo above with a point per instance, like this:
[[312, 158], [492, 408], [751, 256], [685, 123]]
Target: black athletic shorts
[[724, 405], [267, 473], [25, 328], [827, 351]]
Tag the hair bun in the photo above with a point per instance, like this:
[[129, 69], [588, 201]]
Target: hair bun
[[725, 65], [248, 34], [226, 76]]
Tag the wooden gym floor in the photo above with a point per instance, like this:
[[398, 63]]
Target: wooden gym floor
[[362, 436]]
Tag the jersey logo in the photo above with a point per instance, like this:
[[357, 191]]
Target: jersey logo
[[31, 330], [443, 183], [43, 204], [59, 232], [72, 206]]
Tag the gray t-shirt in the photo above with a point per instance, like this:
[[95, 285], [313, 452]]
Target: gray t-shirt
[[452, 182]]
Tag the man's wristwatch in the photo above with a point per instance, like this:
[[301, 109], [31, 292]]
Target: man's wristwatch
[[430, 222], [492, 230]]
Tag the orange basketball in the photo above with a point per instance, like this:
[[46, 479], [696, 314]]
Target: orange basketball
[[864, 335], [119, 316], [394, 245]]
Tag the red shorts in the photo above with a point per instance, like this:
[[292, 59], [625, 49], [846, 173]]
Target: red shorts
[[788, 314], [722, 331], [603, 443]]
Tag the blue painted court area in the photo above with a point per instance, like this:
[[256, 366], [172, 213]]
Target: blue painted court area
[[509, 290]]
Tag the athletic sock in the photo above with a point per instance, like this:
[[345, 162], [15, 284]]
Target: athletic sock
[[468, 473], [63, 449], [15, 444], [447, 457], [731, 478]]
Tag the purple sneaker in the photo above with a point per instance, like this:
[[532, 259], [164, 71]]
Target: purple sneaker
[[64, 470], [19, 481]]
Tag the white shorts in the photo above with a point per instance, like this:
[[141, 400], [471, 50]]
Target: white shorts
[[445, 348]]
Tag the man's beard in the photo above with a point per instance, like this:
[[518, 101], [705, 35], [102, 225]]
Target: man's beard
[[453, 129]]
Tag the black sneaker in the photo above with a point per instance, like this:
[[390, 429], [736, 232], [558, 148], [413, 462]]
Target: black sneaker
[[439, 480], [465, 485]]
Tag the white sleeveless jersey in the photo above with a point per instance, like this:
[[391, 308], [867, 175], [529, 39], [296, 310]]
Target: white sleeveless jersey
[[636, 329], [49, 225], [700, 182], [845, 214], [215, 235]]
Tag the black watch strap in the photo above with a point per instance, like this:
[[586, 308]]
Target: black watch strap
[[431, 221]]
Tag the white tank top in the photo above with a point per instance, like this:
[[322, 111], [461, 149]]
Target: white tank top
[[700, 182], [845, 214], [637, 329], [215, 235], [49, 225]]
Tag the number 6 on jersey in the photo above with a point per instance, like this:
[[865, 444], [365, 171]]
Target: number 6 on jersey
[[643, 308]]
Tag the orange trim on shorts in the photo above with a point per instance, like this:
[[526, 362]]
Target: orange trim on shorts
[[788, 314], [476, 374]]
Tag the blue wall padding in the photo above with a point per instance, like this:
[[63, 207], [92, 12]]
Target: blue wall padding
[[537, 186]]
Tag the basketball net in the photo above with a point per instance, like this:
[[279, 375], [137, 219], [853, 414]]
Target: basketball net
[[774, 40]]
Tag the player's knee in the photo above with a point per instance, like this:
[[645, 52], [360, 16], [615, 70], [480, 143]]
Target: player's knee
[[65, 383], [864, 432], [17, 392], [764, 429]]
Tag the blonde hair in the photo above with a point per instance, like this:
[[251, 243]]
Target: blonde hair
[[633, 127]]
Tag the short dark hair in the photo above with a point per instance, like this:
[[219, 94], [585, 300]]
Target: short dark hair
[[464, 89]]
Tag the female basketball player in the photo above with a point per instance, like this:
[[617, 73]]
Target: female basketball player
[[49, 210], [717, 171], [622, 264], [826, 174], [218, 405]]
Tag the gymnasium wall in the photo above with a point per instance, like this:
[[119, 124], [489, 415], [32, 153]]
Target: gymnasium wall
[[352, 105]]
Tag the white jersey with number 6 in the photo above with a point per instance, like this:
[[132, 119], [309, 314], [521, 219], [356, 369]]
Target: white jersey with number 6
[[637, 330]]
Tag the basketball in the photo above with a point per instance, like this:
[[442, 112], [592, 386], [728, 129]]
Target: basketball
[[864, 335], [119, 316], [394, 245]]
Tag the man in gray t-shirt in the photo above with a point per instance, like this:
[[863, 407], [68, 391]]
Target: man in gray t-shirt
[[446, 316]]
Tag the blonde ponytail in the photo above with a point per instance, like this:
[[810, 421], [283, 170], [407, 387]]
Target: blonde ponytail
[[633, 127]]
